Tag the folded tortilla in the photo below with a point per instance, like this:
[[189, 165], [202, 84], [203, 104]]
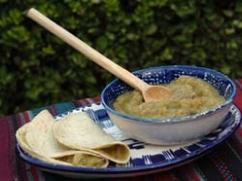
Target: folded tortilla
[[36, 138], [78, 131]]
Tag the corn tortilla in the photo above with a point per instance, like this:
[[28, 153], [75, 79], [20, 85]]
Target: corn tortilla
[[78, 131], [36, 138]]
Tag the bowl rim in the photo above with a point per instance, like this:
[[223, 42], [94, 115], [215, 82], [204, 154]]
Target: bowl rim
[[174, 119]]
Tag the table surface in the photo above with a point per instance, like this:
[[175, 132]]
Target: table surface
[[222, 163]]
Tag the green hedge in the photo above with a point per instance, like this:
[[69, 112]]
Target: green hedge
[[38, 69]]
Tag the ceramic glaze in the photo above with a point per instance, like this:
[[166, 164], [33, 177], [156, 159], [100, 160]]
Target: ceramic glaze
[[171, 130]]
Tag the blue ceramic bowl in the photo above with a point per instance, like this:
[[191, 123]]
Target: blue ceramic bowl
[[170, 130]]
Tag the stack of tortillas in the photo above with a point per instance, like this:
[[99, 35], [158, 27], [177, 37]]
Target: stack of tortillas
[[74, 140]]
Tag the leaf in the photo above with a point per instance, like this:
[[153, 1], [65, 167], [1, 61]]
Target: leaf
[[151, 29], [102, 43], [228, 13], [167, 53]]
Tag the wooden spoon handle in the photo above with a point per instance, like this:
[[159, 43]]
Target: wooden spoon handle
[[88, 51]]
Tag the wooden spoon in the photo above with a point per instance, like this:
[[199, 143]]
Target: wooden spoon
[[150, 93]]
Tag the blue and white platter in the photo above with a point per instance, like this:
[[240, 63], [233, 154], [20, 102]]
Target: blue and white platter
[[145, 158]]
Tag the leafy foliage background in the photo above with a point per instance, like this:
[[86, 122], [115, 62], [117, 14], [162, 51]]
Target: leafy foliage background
[[38, 69]]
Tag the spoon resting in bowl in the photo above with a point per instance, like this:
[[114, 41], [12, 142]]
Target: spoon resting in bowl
[[150, 93]]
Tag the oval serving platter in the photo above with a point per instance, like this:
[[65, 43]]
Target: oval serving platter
[[145, 158]]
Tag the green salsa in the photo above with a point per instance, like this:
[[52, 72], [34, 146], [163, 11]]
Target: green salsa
[[190, 95]]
